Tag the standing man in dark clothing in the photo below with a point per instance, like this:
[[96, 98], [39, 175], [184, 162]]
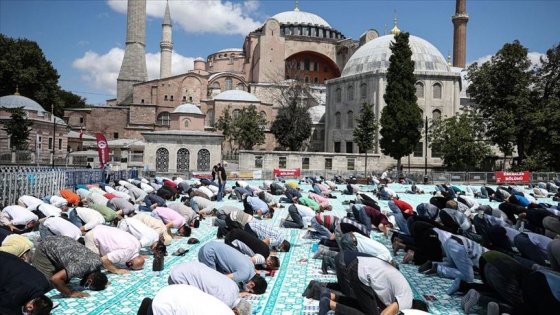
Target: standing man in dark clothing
[[61, 258], [222, 178], [22, 287]]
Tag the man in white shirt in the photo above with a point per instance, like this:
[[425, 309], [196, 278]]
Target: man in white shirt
[[18, 219], [29, 202], [49, 210], [184, 299], [59, 226], [115, 247], [301, 217], [147, 236], [85, 218]]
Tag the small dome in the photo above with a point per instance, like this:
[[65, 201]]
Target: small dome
[[236, 95], [299, 17], [15, 101], [187, 109], [317, 114], [231, 49], [199, 59], [375, 55]]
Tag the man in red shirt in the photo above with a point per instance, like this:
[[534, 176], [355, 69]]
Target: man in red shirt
[[401, 211]]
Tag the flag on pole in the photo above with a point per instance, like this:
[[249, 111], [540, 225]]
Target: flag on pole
[[102, 149]]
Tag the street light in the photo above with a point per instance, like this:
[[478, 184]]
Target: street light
[[54, 134], [426, 151]]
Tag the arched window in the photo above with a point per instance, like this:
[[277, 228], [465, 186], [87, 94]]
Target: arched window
[[229, 84], [163, 119], [436, 90], [203, 160], [350, 119], [263, 115], [363, 90], [419, 90], [337, 120], [436, 114], [209, 121], [316, 80], [183, 158], [235, 114], [350, 93], [338, 95], [240, 87], [216, 85], [306, 79], [162, 160]]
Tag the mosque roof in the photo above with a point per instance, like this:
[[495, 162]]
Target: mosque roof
[[230, 49], [374, 56], [187, 109], [236, 95], [16, 100], [300, 17], [317, 114]]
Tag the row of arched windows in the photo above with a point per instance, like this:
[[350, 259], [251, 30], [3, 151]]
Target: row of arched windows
[[350, 94], [183, 160], [436, 90], [229, 85], [349, 120]]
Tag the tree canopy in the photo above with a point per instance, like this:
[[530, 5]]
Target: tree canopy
[[365, 130], [18, 128], [24, 66], [460, 141], [245, 127], [520, 102], [292, 126], [401, 118]]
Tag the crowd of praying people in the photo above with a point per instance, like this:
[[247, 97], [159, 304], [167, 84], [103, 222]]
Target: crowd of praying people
[[503, 259]]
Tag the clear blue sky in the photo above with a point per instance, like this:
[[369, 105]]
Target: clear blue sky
[[85, 39]]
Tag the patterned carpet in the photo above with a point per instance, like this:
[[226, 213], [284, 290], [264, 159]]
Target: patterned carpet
[[283, 296]]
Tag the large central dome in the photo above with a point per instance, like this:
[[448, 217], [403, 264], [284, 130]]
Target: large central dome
[[299, 17], [374, 56]]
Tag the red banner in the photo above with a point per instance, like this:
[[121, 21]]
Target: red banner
[[102, 149], [513, 177], [287, 172], [200, 175]]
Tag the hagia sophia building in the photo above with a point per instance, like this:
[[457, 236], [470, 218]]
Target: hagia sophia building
[[169, 123]]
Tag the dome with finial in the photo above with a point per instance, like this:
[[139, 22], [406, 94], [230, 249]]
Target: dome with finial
[[299, 17], [374, 56], [16, 101], [395, 30]]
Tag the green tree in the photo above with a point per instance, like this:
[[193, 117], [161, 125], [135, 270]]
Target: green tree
[[18, 128], [460, 141], [292, 126], [225, 124], [24, 66], [365, 130], [546, 100], [401, 118], [501, 91], [249, 128]]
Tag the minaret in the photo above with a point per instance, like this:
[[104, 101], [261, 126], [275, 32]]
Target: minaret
[[460, 20], [133, 68], [166, 45]]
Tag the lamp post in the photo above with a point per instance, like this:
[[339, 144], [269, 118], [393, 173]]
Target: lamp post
[[426, 151], [54, 134]]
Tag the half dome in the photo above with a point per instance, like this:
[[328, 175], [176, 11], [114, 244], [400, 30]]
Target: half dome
[[317, 114], [187, 109], [374, 56]]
